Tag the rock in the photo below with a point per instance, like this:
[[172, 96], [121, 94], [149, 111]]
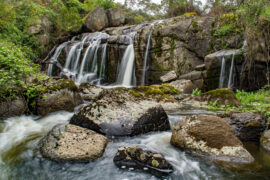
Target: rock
[[43, 39], [61, 95], [200, 67], [170, 76], [265, 140], [96, 20], [89, 92], [133, 157], [34, 29], [13, 107], [116, 17], [69, 143], [223, 96], [184, 86], [122, 112], [194, 75], [211, 137], [247, 126]]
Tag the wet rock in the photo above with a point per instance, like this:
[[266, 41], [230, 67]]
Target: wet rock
[[116, 17], [13, 107], [247, 126], [69, 143], [61, 95], [210, 137], [265, 140], [223, 96], [89, 92], [96, 20], [133, 157], [184, 86], [122, 112], [170, 76], [43, 39]]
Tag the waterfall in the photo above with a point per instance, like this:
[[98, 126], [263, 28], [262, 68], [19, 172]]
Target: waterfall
[[230, 82], [126, 71], [103, 64], [146, 58], [222, 73], [55, 57]]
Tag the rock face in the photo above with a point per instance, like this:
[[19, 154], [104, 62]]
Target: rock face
[[69, 143], [13, 107], [96, 20], [222, 96], [247, 126], [122, 112], [170, 76], [265, 140], [62, 95], [116, 17], [212, 137], [136, 158], [184, 86]]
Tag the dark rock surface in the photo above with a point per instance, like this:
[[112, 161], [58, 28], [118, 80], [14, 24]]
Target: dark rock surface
[[133, 157]]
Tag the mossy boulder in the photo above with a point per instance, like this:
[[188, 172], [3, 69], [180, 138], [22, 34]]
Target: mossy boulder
[[69, 143], [139, 159], [57, 96], [13, 107], [210, 137], [223, 96], [246, 126], [125, 112]]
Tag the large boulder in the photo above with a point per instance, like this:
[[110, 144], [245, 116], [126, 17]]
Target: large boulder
[[133, 157], [222, 96], [265, 140], [247, 126], [97, 19], [170, 76], [184, 86], [116, 17], [61, 95], [211, 137], [69, 143], [122, 112], [13, 107]]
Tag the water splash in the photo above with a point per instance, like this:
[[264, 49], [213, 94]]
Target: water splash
[[222, 73], [230, 82], [145, 59]]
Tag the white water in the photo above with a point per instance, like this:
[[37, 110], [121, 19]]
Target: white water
[[103, 65], [18, 131], [146, 58], [28, 130], [222, 73], [230, 82], [126, 71], [55, 57]]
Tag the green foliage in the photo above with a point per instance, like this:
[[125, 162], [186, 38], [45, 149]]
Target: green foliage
[[138, 19], [15, 70], [196, 92], [257, 102]]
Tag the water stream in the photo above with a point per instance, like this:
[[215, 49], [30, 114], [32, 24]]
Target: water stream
[[20, 160]]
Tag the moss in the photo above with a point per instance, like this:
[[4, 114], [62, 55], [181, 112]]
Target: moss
[[253, 124], [63, 84], [222, 93], [169, 89], [136, 94]]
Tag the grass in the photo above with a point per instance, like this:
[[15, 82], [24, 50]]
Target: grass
[[255, 102]]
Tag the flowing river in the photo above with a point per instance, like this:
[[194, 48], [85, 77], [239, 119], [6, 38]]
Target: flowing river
[[20, 159]]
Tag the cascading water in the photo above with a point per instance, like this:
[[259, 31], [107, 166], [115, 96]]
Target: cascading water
[[145, 59], [126, 71], [222, 73], [55, 57], [102, 65], [230, 82]]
